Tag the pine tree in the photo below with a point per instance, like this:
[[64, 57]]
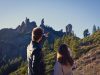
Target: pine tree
[[98, 28], [57, 43], [94, 29], [46, 47], [86, 33], [74, 48]]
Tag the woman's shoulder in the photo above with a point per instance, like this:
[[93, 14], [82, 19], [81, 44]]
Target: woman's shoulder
[[57, 63]]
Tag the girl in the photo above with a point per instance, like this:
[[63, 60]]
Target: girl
[[64, 62]]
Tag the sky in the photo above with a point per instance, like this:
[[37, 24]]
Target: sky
[[82, 14]]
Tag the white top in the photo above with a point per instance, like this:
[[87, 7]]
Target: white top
[[62, 69]]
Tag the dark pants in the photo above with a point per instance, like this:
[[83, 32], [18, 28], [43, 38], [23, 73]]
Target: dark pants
[[37, 69]]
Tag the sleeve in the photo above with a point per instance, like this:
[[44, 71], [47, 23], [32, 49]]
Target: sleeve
[[33, 57], [30, 65], [29, 50]]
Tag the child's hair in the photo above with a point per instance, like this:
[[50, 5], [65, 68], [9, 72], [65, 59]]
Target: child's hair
[[37, 33], [63, 55]]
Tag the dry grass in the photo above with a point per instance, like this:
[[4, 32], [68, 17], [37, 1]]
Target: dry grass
[[89, 64]]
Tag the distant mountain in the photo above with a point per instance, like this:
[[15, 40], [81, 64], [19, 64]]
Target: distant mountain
[[26, 27], [13, 42]]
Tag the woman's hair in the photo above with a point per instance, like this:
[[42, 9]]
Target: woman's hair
[[63, 55], [37, 33]]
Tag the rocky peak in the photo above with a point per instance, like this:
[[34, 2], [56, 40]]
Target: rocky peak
[[69, 29], [42, 22], [27, 21], [26, 26]]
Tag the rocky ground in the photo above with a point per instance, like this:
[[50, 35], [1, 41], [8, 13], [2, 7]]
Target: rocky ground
[[89, 63]]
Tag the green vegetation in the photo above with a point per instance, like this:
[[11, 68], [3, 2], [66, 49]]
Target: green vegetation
[[22, 70], [78, 48], [10, 66]]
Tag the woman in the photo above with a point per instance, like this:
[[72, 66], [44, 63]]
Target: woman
[[64, 62]]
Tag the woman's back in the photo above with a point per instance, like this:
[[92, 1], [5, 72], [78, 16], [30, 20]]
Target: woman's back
[[62, 69], [64, 61]]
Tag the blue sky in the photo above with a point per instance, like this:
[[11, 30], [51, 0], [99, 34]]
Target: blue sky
[[81, 14]]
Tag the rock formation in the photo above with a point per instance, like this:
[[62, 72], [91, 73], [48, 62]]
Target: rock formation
[[69, 29]]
